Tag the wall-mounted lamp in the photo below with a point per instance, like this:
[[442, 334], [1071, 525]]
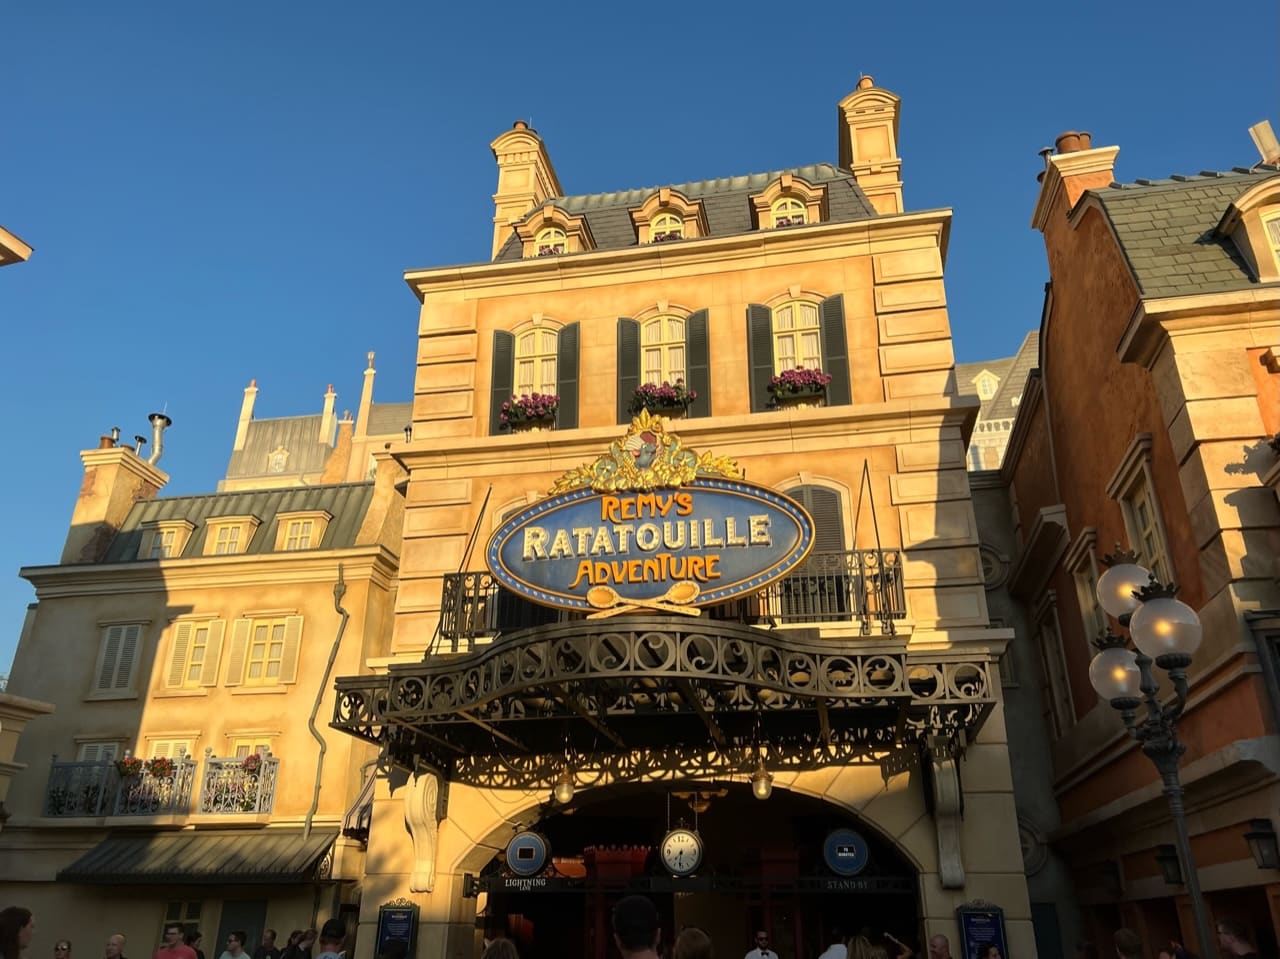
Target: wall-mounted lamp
[[1263, 843], [1170, 868]]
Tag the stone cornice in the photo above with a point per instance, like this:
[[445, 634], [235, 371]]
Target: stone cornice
[[740, 251], [123, 456], [19, 709], [1032, 397], [12, 249], [1161, 317], [375, 563], [1064, 165], [833, 427]]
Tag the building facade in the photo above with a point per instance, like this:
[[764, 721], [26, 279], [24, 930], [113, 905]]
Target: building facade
[[1147, 424], [998, 385]]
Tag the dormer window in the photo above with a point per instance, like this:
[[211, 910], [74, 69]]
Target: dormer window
[[165, 540], [1252, 223], [787, 212], [987, 385], [666, 226], [301, 530], [1273, 236], [789, 201], [551, 242], [668, 215], [229, 535]]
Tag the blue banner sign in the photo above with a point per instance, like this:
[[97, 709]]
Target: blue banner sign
[[699, 544]]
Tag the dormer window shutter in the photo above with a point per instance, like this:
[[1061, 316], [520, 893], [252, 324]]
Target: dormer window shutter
[[697, 353], [502, 380], [628, 366], [759, 355], [835, 351], [567, 377]]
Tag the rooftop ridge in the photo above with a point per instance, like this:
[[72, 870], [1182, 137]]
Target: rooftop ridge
[[1178, 179], [282, 490], [835, 172]]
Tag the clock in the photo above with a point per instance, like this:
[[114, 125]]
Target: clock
[[681, 852]]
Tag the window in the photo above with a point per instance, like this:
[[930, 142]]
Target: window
[[797, 337], [1054, 690], [987, 386], [663, 349], [536, 361], [229, 535], [99, 750], [1133, 485], [117, 659], [551, 241], [787, 211], [227, 541], [1081, 560], [162, 541], [666, 226], [243, 746], [165, 540], [185, 914], [169, 748], [298, 535], [194, 656], [301, 530], [1273, 236], [264, 651]]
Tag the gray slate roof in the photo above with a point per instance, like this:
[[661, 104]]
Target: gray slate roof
[[1167, 230], [346, 502], [1012, 371], [386, 419], [726, 202], [298, 434]]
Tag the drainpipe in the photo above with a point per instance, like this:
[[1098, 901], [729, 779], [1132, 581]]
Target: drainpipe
[[339, 590]]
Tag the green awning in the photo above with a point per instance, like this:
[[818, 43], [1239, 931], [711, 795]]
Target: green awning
[[204, 856]]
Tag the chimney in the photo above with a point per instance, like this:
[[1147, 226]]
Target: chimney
[[326, 420], [339, 461], [1264, 138], [868, 141], [1067, 174], [526, 178], [366, 400], [159, 423], [246, 414], [114, 479]]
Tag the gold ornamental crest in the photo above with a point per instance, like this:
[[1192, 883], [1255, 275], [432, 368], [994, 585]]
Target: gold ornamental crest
[[646, 458]]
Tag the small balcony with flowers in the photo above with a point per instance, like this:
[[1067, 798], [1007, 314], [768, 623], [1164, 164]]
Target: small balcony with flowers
[[162, 789]]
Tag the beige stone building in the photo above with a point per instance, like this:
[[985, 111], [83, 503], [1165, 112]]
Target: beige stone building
[[998, 385]]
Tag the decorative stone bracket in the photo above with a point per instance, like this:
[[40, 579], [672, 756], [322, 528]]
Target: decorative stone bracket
[[421, 818], [947, 809]]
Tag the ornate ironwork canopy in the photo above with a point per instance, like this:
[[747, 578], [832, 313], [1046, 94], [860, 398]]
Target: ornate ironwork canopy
[[647, 693]]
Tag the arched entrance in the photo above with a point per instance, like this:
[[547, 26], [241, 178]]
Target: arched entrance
[[763, 869]]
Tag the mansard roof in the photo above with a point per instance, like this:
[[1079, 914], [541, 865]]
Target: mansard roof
[[297, 434]]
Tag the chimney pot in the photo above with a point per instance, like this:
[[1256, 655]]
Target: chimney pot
[[866, 82], [1068, 142], [1086, 140], [105, 442], [519, 125]]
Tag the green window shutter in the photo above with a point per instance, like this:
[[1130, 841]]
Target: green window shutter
[[697, 359], [828, 520], [759, 355], [110, 656], [835, 351], [628, 366], [567, 377], [212, 654], [240, 630], [182, 635], [292, 645], [502, 381], [132, 636]]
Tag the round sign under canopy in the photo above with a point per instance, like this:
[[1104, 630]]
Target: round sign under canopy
[[527, 853], [845, 852]]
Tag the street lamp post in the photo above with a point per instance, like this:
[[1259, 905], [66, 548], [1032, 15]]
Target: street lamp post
[[1167, 633]]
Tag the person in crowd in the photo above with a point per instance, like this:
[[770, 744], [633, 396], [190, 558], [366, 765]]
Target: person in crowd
[[692, 943], [193, 939], [267, 949], [859, 946], [62, 949], [1128, 944], [940, 947], [896, 947], [173, 946], [300, 948], [115, 947], [761, 950], [1234, 940], [838, 949], [333, 937], [500, 949], [235, 945], [636, 928], [17, 926]]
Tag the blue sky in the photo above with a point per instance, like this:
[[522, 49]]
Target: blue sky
[[217, 192]]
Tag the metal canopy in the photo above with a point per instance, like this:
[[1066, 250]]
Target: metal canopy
[[662, 692]]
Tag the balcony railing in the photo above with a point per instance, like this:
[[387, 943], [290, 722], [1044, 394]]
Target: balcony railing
[[99, 789], [238, 786], [863, 586]]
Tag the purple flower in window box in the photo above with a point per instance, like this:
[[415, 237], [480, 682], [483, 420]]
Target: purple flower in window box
[[664, 397], [662, 236], [550, 249], [799, 382], [529, 408]]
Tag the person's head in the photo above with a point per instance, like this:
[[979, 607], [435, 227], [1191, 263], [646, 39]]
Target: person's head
[[501, 949], [16, 926], [761, 939], [1233, 937], [635, 925], [692, 943], [1128, 944], [295, 936], [192, 938], [115, 946], [333, 935], [307, 938], [62, 949], [172, 935], [235, 942], [269, 938], [939, 947], [992, 952]]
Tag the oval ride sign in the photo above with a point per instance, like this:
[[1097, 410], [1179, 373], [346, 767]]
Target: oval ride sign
[[699, 544]]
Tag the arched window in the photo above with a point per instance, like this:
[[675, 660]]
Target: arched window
[[662, 350], [797, 337], [551, 241], [787, 211], [666, 226], [536, 361], [823, 504]]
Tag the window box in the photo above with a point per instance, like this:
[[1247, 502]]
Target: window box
[[668, 399], [530, 413], [799, 388]]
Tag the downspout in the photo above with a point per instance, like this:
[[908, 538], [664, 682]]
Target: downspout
[[339, 590]]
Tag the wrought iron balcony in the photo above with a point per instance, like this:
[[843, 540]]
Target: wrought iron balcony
[[102, 789], [245, 784], [863, 586]]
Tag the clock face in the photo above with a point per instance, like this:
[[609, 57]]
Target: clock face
[[681, 852]]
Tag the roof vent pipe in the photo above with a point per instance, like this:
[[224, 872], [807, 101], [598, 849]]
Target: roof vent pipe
[[159, 423]]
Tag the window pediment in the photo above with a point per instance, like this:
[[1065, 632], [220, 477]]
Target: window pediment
[[669, 215], [551, 231], [789, 201], [1252, 223]]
